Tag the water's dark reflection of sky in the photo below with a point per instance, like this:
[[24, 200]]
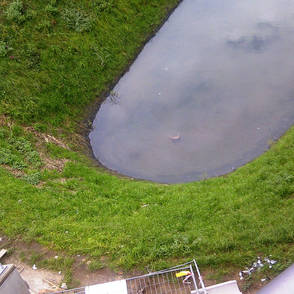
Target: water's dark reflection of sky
[[219, 74]]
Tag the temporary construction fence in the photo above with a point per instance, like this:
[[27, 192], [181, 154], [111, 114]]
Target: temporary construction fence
[[181, 279]]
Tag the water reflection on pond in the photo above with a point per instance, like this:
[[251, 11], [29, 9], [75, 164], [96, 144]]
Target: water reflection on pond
[[205, 95]]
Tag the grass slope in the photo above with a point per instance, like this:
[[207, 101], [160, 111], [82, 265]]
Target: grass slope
[[63, 54], [57, 55]]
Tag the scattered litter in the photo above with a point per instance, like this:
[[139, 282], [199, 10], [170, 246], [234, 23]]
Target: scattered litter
[[78, 255], [183, 273], [159, 93], [271, 262], [258, 129], [56, 256], [186, 274], [263, 280], [66, 232], [63, 286], [1, 239], [145, 205], [59, 272], [258, 264], [34, 267], [2, 252], [20, 201]]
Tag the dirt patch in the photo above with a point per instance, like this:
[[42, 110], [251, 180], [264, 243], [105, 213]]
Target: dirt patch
[[47, 138], [83, 276], [42, 280], [50, 163], [17, 173], [39, 280]]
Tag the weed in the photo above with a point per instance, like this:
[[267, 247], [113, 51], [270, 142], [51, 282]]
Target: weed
[[4, 49], [77, 20], [44, 26], [33, 179], [103, 5], [31, 53], [95, 265], [51, 9], [15, 12]]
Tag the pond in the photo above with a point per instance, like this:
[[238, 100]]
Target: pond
[[207, 94]]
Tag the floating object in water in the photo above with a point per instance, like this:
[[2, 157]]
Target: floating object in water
[[175, 138]]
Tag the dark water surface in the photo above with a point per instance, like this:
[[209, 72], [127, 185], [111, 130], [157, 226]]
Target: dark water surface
[[205, 95]]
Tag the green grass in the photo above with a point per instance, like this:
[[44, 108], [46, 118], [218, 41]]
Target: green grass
[[224, 221], [57, 56]]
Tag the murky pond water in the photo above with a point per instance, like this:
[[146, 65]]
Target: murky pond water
[[205, 95]]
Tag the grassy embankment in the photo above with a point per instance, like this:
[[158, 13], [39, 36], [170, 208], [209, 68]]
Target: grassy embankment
[[56, 56]]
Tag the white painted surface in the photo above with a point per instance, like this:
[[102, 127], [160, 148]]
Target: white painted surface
[[116, 287], [230, 287]]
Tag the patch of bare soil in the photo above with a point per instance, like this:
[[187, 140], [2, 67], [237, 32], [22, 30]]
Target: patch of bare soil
[[47, 138], [17, 173], [42, 280], [50, 163], [85, 277], [39, 280]]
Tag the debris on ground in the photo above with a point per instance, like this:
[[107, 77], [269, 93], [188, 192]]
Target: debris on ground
[[63, 286], [2, 252], [34, 267], [258, 264]]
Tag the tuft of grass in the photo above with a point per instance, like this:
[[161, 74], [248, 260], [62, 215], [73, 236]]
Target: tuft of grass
[[4, 49], [95, 265], [77, 20], [15, 12], [103, 5], [33, 178]]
